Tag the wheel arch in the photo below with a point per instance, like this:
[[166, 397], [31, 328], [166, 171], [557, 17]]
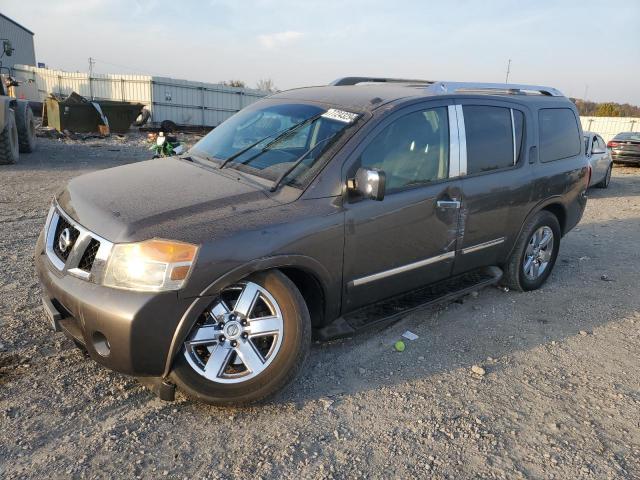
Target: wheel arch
[[309, 276], [553, 205]]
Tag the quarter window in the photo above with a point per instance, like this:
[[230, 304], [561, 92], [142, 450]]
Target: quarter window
[[493, 141], [412, 150], [559, 134]]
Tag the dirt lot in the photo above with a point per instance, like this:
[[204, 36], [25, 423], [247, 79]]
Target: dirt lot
[[560, 398]]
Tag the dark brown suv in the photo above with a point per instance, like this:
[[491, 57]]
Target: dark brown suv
[[319, 210]]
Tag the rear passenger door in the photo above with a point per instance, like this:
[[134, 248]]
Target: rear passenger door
[[496, 187]]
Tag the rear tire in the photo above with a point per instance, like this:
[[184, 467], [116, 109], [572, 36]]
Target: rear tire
[[232, 380], [9, 149], [607, 178], [534, 254], [26, 125]]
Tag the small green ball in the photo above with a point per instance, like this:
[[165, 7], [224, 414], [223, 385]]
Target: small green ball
[[400, 346]]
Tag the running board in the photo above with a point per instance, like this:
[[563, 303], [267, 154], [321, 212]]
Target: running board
[[390, 309]]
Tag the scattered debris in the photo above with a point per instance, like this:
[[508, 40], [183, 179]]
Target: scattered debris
[[584, 333], [606, 278], [410, 335], [503, 288], [581, 259], [478, 370], [326, 403], [400, 346]]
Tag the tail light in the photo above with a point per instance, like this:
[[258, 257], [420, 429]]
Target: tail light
[[612, 144]]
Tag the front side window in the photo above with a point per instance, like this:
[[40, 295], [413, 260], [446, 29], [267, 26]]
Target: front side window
[[490, 137], [269, 139], [412, 150], [559, 134]]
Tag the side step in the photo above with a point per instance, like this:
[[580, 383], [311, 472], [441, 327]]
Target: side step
[[390, 309]]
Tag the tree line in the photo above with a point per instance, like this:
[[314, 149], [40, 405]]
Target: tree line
[[606, 109]]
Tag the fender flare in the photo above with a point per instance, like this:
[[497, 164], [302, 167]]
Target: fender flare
[[200, 302]]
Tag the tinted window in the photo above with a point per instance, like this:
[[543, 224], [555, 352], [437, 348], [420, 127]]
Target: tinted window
[[559, 134], [601, 144], [628, 136], [489, 137], [411, 150]]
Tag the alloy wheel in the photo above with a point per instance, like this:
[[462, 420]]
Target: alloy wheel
[[238, 336], [538, 253]]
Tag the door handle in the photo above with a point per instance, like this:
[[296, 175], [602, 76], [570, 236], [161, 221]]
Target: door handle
[[453, 203]]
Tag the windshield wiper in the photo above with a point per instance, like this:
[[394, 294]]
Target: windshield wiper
[[278, 136], [298, 161]]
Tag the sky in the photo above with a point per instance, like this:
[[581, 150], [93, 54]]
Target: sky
[[580, 47]]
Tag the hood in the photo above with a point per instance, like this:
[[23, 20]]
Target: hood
[[158, 198]]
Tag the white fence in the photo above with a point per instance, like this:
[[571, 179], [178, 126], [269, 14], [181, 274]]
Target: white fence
[[609, 127], [181, 101]]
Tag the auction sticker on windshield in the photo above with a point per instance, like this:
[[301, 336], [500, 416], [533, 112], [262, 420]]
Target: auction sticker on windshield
[[340, 115]]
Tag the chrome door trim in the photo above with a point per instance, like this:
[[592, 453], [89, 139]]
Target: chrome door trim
[[462, 137], [480, 246], [454, 143], [402, 269], [513, 136]]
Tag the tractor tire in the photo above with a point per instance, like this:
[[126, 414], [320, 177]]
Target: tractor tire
[[9, 149], [26, 127]]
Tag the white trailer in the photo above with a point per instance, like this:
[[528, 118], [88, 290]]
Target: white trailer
[[182, 102]]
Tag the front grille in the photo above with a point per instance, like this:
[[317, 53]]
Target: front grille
[[73, 236], [86, 262]]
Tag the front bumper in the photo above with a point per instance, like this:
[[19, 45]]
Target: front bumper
[[130, 332]]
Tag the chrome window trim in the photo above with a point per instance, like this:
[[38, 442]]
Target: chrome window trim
[[462, 134], [404, 268], [79, 247], [481, 246], [513, 136], [454, 143]]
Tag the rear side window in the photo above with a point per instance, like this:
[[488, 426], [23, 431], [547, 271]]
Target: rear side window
[[493, 141], [559, 134]]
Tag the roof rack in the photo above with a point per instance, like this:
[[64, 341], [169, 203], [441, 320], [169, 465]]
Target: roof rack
[[493, 88], [356, 80], [442, 88]]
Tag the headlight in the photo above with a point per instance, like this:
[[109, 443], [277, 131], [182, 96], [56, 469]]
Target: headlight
[[152, 265]]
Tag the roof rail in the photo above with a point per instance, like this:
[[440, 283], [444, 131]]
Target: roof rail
[[355, 80], [492, 88]]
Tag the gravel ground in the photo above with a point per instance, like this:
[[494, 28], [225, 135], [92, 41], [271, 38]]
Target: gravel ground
[[559, 398]]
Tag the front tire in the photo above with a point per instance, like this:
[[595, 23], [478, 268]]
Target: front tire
[[9, 149], [534, 254], [251, 342]]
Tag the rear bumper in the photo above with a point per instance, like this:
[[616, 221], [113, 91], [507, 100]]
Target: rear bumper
[[130, 332], [626, 157]]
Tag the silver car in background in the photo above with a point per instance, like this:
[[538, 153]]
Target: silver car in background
[[599, 158]]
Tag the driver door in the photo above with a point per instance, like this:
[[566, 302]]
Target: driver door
[[409, 238]]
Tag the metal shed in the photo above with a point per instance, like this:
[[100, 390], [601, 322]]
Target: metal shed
[[21, 39], [183, 102]]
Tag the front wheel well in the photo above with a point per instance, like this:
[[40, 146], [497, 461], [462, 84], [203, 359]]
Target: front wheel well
[[311, 291]]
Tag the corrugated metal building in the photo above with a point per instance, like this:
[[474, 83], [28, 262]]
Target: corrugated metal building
[[21, 39], [183, 102]]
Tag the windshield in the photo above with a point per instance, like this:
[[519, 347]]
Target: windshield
[[267, 140]]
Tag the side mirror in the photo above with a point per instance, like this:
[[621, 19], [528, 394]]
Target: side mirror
[[369, 182], [597, 151]]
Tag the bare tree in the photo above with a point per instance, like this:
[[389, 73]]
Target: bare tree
[[234, 83], [266, 85]]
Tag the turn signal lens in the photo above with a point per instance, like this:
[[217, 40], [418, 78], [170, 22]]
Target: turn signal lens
[[152, 265]]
